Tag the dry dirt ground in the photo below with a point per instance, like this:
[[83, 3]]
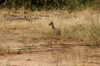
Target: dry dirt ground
[[68, 53], [25, 50]]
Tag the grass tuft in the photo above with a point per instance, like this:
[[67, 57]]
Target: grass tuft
[[48, 43]]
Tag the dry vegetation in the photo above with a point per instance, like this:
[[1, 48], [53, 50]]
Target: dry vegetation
[[77, 27], [82, 25]]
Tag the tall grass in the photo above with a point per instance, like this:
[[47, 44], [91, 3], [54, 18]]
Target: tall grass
[[79, 25]]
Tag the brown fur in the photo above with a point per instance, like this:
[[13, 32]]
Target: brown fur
[[56, 32]]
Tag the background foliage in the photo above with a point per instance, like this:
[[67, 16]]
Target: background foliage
[[51, 4]]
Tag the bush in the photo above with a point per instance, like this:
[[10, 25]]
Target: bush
[[52, 4]]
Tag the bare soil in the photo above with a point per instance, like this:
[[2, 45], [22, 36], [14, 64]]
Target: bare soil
[[69, 52]]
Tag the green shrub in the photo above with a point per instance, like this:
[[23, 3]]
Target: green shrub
[[52, 4]]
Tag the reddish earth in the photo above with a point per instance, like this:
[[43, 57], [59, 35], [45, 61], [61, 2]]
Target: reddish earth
[[68, 53]]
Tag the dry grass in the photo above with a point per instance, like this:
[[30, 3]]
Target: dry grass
[[83, 26]]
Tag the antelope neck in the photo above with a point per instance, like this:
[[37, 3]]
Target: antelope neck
[[53, 27]]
